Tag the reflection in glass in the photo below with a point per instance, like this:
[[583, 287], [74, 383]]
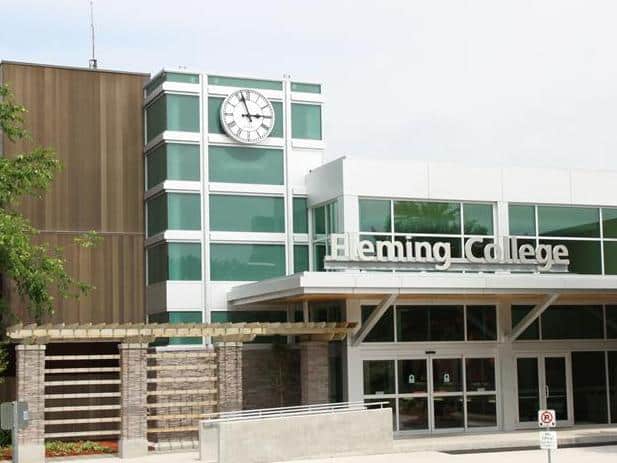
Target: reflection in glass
[[427, 217], [432, 323], [518, 313], [378, 377], [447, 375], [375, 215], [448, 412], [383, 331], [610, 257], [480, 374], [564, 221], [609, 222], [413, 413], [478, 219], [412, 376], [573, 322], [528, 389], [556, 390], [589, 387], [481, 411], [481, 323], [611, 322], [522, 220]]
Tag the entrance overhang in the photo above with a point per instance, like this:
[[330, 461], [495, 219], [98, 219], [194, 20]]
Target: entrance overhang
[[376, 285]]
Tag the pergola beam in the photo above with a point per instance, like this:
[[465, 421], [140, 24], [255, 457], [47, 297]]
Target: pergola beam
[[372, 320], [136, 333], [533, 315]]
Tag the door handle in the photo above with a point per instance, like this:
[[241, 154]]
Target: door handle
[[546, 391]]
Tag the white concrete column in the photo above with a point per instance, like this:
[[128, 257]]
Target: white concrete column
[[353, 366], [507, 367]]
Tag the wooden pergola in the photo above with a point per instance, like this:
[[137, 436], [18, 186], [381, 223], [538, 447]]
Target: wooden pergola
[[145, 333]]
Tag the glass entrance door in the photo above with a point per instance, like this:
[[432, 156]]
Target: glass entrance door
[[544, 381], [447, 394]]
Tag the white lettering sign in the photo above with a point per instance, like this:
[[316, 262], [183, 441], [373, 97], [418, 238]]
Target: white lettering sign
[[348, 247]]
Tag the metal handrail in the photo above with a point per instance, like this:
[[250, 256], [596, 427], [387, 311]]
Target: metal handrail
[[300, 410]]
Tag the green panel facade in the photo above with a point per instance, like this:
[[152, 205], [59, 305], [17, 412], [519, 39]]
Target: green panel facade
[[247, 213], [306, 121], [240, 164], [300, 215], [246, 262]]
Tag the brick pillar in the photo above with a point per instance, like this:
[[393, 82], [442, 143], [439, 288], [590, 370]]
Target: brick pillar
[[229, 369], [31, 389], [133, 390], [314, 372]]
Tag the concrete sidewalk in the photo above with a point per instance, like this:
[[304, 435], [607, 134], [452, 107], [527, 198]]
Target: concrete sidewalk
[[600, 454]]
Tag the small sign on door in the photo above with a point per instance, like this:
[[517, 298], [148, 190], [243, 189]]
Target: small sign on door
[[547, 418]]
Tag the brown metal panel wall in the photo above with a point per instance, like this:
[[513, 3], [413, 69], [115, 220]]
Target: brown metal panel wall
[[94, 122]]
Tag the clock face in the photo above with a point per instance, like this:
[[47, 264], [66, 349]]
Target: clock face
[[247, 116]]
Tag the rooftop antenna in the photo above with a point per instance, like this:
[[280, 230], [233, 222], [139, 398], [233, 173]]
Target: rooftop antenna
[[92, 64]]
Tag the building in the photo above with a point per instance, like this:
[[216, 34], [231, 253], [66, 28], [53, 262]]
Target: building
[[481, 294], [93, 120], [485, 294]]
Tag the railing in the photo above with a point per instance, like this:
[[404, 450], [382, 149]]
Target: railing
[[300, 410]]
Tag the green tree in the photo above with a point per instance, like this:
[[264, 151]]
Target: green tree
[[35, 268]]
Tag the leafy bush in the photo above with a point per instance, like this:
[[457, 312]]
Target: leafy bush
[[5, 438]]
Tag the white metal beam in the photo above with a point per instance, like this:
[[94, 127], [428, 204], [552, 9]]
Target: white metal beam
[[372, 320], [533, 315]]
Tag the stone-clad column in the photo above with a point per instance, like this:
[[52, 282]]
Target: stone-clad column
[[229, 369], [314, 372], [133, 390], [31, 389]]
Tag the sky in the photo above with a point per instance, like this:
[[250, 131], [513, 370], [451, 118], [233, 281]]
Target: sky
[[484, 82]]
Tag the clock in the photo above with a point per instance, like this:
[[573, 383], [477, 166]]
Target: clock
[[247, 116]]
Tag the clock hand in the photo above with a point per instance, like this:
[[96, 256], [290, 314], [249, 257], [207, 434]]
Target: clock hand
[[247, 108], [256, 115]]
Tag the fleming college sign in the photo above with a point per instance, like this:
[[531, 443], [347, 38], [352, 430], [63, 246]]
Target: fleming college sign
[[347, 251]]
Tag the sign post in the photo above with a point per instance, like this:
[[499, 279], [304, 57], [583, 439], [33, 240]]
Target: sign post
[[548, 438]]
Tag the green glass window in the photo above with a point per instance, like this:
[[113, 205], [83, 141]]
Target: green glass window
[[319, 256], [478, 219], [174, 318], [246, 262], [306, 88], [184, 261], [157, 214], [319, 220], [609, 222], [585, 256], [247, 213], [301, 258], [383, 331], [300, 212], [533, 330], [375, 215], [481, 323], [174, 261], [214, 114], [171, 77], [427, 217], [610, 257], [239, 164], [245, 83], [173, 161], [214, 117], [174, 211], [306, 121], [522, 220], [568, 221], [573, 322], [172, 112], [157, 263]]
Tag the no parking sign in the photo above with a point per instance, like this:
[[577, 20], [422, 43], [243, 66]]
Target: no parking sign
[[547, 419]]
